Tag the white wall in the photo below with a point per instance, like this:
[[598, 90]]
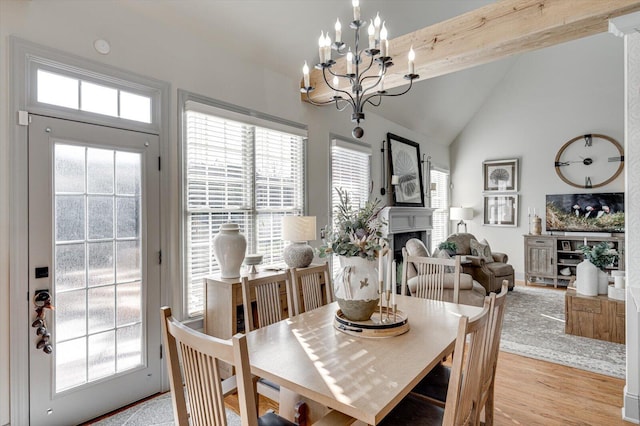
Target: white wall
[[548, 97], [173, 54]]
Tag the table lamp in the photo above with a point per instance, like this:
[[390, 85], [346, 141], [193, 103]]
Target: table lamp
[[299, 230], [461, 214]]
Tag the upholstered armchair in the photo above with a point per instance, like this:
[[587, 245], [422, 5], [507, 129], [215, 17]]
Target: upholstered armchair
[[470, 292], [487, 267]]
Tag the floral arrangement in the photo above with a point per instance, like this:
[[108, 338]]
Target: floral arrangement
[[355, 232], [601, 255]]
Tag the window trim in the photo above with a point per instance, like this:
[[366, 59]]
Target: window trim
[[447, 230], [231, 112]]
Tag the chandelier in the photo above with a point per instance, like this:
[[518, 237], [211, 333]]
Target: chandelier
[[357, 87]]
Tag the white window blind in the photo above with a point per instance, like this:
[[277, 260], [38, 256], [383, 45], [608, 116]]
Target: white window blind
[[236, 172], [351, 172], [440, 204]]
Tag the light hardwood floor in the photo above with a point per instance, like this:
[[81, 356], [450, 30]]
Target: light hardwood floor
[[532, 392]]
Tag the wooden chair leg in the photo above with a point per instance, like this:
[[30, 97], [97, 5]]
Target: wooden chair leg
[[488, 407]]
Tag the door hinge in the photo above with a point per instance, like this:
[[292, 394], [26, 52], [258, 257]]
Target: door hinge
[[24, 118], [160, 351], [160, 257], [159, 164]]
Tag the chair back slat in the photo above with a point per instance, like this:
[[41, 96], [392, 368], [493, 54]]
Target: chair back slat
[[307, 285], [431, 275], [201, 356], [497, 305], [269, 306], [463, 392]]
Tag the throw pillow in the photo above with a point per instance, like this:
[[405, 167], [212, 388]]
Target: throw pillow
[[443, 254], [481, 249]]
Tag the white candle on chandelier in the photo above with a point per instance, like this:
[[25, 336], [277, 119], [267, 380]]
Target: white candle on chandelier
[[356, 9], [305, 73], [376, 25], [412, 57], [381, 85], [349, 62], [336, 84], [327, 48], [384, 43], [372, 36], [338, 31], [321, 47]]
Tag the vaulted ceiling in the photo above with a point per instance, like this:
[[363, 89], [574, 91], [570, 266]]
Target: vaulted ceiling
[[282, 34]]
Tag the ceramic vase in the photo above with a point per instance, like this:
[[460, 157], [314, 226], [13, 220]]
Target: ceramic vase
[[229, 249], [587, 278], [603, 282], [356, 287]]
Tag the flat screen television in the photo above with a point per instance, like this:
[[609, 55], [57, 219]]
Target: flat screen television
[[585, 212]]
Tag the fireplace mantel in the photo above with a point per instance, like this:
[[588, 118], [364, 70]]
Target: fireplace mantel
[[412, 221]]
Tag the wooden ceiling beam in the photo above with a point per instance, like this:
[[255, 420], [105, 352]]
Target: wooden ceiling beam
[[495, 31]]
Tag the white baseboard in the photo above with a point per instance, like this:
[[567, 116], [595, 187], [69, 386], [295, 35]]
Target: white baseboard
[[631, 408]]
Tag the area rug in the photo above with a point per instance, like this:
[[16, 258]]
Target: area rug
[[152, 412], [534, 327]]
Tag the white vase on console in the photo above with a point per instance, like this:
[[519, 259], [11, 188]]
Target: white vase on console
[[587, 279]]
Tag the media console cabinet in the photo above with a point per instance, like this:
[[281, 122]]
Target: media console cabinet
[[597, 317], [552, 259]]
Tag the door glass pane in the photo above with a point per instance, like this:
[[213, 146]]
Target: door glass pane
[[102, 308], [100, 263], [129, 347], [71, 363], [98, 327], [100, 171], [70, 268], [69, 168], [57, 89], [100, 211], [99, 99], [102, 355]]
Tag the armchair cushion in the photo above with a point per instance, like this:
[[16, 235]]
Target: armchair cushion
[[500, 269], [481, 249], [471, 291]]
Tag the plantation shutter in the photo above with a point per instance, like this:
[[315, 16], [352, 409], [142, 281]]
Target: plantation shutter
[[351, 172], [440, 204], [237, 172]]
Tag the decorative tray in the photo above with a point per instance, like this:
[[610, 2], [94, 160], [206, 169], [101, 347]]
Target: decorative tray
[[374, 327]]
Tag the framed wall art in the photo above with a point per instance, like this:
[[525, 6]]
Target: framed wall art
[[501, 210], [404, 163], [500, 175]]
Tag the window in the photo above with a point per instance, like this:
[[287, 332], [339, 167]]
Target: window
[[350, 171], [76, 93], [236, 171], [440, 204]]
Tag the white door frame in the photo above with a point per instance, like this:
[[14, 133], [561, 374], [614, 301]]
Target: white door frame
[[21, 53]]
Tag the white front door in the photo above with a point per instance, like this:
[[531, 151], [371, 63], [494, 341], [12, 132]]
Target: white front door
[[94, 243]]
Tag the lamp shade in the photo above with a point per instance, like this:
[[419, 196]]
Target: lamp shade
[[299, 228], [461, 213]]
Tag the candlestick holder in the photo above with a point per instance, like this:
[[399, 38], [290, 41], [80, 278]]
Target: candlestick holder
[[529, 222]]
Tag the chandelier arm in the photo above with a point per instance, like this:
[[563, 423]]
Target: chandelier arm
[[379, 77], [324, 75], [346, 104], [401, 93], [312, 102], [373, 95], [361, 75]]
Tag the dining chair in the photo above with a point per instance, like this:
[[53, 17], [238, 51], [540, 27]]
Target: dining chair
[[463, 390], [269, 309], [201, 356], [433, 387], [306, 286], [433, 275]]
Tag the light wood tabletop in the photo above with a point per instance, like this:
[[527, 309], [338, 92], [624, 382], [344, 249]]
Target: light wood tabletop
[[361, 377]]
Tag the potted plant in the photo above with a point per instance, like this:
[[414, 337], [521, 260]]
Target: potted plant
[[449, 246], [356, 238], [600, 256]]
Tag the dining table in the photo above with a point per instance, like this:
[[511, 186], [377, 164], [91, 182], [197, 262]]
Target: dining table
[[362, 377]]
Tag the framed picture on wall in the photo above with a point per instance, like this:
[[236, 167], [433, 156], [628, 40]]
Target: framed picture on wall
[[406, 173], [500, 175], [501, 210]]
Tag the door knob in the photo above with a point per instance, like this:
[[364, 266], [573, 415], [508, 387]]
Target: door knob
[[42, 302]]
